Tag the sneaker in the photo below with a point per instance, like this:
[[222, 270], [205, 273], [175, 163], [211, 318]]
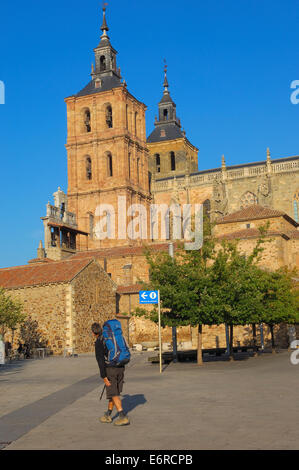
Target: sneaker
[[106, 418], [122, 421]]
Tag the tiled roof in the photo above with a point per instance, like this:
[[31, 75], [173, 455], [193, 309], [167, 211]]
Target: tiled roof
[[171, 131], [41, 260], [41, 273], [249, 233], [119, 251], [253, 212], [108, 83], [129, 289]]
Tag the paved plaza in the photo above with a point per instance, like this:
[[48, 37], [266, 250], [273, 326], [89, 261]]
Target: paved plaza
[[53, 404]]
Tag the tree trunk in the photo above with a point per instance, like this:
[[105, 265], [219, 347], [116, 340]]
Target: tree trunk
[[231, 341], [254, 338], [199, 346], [272, 339], [227, 339]]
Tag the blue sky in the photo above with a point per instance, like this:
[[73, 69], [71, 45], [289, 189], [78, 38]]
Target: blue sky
[[230, 68]]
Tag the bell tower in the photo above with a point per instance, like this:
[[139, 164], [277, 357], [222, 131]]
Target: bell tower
[[107, 153], [171, 153]]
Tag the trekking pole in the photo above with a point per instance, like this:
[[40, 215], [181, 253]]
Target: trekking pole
[[102, 392]]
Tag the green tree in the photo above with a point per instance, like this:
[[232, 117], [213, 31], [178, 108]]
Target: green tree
[[11, 314], [211, 286], [232, 293], [31, 336], [279, 300]]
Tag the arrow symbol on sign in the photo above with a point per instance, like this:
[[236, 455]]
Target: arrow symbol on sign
[[144, 295]]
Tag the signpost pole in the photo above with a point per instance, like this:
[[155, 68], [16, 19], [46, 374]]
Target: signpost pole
[[160, 337]]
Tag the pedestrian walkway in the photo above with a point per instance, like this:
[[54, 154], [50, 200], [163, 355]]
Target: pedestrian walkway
[[54, 404]]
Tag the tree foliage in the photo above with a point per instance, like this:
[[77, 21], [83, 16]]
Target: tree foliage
[[219, 284], [31, 336], [11, 314]]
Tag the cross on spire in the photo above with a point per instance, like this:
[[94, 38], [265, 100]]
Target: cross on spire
[[104, 26], [165, 84]]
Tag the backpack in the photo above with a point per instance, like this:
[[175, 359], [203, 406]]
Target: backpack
[[118, 351]]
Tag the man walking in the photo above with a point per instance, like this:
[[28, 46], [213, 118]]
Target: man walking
[[113, 378]]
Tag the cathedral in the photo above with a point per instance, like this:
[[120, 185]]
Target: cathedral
[[114, 169]]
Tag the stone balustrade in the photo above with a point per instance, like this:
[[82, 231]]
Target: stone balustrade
[[55, 213], [207, 178]]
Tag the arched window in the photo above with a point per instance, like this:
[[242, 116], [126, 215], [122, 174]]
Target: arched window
[[110, 164], [138, 169], [109, 118], [127, 116], [91, 225], [165, 114], [88, 168], [296, 206], [158, 163], [136, 123], [87, 120], [172, 161], [129, 165], [102, 63]]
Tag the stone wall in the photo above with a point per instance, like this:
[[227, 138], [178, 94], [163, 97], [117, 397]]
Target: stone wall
[[46, 305], [93, 300]]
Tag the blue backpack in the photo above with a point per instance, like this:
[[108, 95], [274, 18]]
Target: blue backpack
[[118, 351]]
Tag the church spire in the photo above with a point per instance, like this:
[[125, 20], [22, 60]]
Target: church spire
[[104, 26], [105, 55], [165, 84], [167, 108]]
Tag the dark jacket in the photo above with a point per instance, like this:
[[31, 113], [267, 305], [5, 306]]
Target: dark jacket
[[101, 354]]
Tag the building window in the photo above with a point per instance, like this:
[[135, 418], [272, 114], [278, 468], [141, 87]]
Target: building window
[[91, 225], [296, 206], [138, 169], [109, 120], [102, 63], [87, 120], [129, 165], [158, 163], [247, 225], [165, 114], [88, 168], [172, 161], [127, 116], [136, 123], [110, 164]]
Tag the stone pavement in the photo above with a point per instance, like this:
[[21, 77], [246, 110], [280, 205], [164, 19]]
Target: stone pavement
[[53, 404]]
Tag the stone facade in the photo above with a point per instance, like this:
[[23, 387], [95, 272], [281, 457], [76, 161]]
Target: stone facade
[[65, 310]]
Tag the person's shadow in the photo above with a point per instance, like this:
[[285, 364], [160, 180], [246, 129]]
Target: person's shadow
[[132, 401]]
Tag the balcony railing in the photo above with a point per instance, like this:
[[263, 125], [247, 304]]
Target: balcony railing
[[68, 218]]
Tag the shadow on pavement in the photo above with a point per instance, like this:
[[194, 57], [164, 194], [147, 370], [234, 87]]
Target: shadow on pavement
[[130, 402]]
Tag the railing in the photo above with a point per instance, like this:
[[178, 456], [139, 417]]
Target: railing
[[66, 217], [287, 166], [208, 177]]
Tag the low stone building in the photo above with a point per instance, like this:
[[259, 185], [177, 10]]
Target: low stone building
[[64, 297]]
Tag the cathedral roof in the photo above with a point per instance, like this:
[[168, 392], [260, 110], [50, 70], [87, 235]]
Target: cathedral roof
[[255, 212]]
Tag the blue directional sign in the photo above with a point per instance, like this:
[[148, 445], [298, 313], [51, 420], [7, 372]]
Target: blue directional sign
[[149, 297]]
